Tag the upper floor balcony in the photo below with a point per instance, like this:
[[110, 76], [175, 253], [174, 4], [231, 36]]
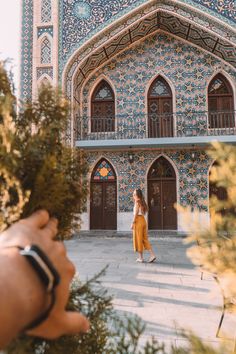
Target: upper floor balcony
[[156, 130]]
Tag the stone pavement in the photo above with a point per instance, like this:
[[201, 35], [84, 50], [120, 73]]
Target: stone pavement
[[168, 295]]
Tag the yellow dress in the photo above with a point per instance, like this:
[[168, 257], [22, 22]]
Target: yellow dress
[[140, 235]]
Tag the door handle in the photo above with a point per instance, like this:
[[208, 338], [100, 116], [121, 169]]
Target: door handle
[[164, 207]]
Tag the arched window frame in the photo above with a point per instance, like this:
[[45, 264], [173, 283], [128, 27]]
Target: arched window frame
[[110, 167], [221, 105], [160, 124], [46, 11], [101, 119]]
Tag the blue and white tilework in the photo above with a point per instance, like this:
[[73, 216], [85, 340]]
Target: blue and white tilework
[[45, 71], [45, 29], [81, 19], [26, 50], [188, 70], [192, 177]]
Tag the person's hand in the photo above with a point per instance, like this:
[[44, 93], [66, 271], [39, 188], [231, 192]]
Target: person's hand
[[41, 230], [132, 226]]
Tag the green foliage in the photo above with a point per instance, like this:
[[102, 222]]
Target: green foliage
[[44, 172], [215, 251]]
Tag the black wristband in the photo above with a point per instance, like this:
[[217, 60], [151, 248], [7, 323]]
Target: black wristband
[[47, 274], [42, 266]]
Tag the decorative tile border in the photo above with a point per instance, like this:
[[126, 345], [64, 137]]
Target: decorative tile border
[[91, 18], [45, 29], [42, 71], [26, 50]]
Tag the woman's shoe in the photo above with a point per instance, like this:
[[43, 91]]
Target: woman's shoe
[[140, 260], [152, 259]]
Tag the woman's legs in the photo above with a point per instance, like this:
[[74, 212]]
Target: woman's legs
[[140, 259], [152, 254]]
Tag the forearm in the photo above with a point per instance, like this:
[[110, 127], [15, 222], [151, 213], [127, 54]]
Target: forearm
[[22, 296]]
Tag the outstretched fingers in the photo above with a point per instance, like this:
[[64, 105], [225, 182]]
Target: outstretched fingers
[[51, 228], [75, 322], [37, 220]]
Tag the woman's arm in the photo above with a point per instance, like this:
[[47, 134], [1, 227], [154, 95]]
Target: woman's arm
[[136, 209]]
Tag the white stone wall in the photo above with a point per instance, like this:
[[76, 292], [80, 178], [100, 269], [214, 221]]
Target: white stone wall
[[124, 221]]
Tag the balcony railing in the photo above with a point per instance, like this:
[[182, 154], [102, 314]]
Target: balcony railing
[[138, 126]]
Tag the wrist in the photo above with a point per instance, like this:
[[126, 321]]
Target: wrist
[[29, 297]]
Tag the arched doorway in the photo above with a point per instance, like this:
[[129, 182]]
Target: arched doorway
[[220, 103], [103, 197], [103, 108], [160, 111], [162, 196]]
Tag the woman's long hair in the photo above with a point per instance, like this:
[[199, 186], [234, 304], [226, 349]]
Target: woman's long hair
[[141, 201]]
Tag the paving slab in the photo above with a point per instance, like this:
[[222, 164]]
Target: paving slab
[[168, 295]]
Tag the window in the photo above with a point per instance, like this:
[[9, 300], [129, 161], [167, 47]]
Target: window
[[103, 108], [160, 115], [220, 103], [46, 10], [45, 51]]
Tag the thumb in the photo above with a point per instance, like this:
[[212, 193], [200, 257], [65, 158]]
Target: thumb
[[74, 322]]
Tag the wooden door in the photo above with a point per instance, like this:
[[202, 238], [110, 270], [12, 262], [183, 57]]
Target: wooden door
[[162, 196], [155, 205], [103, 197], [168, 209], [109, 209]]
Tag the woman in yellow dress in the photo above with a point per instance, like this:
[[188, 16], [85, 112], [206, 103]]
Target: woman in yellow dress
[[139, 227]]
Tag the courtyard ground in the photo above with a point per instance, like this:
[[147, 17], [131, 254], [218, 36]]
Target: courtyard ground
[[168, 295]]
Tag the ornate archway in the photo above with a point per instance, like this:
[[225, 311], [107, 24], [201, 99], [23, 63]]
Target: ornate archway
[[162, 196], [103, 108], [220, 103], [160, 112], [103, 197]]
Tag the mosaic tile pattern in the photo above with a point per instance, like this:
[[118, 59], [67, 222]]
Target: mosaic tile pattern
[[188, 69], [42, 71], [46, 10], [192, 175], [89, 17], [45, 29], [26, 50], [85, 64]]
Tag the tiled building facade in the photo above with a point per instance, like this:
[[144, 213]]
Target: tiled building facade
[[151, 84]]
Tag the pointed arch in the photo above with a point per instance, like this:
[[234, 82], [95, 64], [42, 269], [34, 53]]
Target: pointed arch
[[103, 171], [46, 11], [103, 108], [46, 51], [103, 196], [44, 80], [160, 109], [162, 195], [220, 103]]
